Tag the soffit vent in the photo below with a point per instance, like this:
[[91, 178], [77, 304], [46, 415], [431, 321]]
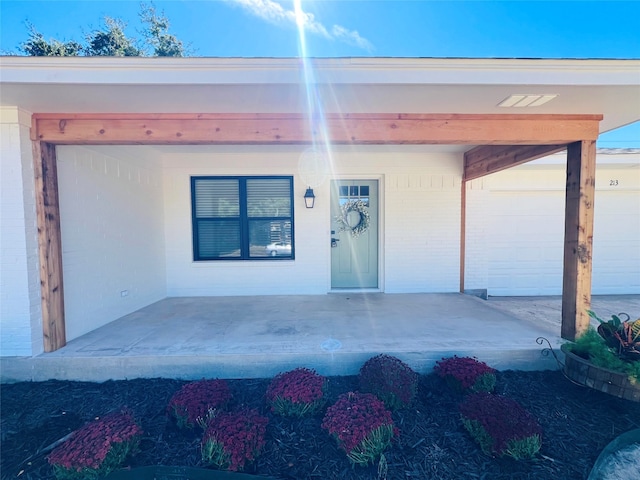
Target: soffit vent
[[527, 100]]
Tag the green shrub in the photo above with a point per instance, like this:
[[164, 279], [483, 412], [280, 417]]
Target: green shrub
[[592, 347]]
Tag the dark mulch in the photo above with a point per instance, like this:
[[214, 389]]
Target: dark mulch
[[577, 423]]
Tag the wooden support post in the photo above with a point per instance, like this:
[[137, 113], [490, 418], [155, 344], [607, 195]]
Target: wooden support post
[[578, 238], [49, 245]]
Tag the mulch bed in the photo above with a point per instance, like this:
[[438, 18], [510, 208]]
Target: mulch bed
[[578, 423]]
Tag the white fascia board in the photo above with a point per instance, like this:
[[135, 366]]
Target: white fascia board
[[209, 71], [13, 114], [623, 157]]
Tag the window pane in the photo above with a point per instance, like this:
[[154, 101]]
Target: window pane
[[217, 198], [270, 238], [269, 197], [364, 190], [219, 238], [242, 217]]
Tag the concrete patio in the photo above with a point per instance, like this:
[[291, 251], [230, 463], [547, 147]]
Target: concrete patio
[[251, 337]]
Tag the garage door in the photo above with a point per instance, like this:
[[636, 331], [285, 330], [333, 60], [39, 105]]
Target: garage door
[[616, 243], [526, 235]]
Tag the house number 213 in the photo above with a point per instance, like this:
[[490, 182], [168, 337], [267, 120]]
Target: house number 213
[[613, 183]]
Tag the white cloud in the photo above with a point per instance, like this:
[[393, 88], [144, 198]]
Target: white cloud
[[352, 37], [273, 12]]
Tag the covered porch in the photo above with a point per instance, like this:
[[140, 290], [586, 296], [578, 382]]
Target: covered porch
[[251, 117], [260, 336]]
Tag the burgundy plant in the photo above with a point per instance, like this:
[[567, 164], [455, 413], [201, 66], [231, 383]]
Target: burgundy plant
[[196, 399], [501, 425], [389, 379], [361, 425], [233, 439], [97, 448], [466, 374], [297, 393]]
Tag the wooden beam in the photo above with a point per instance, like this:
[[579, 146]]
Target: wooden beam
[[357, 129], [49, 245], [486, 159], [578, 238]]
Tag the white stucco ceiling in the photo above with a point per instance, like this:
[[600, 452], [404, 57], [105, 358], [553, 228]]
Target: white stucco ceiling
[[360, 85]]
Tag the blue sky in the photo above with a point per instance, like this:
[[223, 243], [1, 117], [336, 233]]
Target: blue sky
[[348, 28], [355, 28]]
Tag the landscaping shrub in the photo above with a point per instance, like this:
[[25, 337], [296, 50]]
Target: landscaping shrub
[[96, 449], [466, 374], [501, 426], [297, 393], [389, 379], [361, 425], [233, 439], [198, 400]]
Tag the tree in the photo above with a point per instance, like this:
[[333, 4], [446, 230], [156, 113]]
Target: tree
[[157, 34], [37, 46], [111, 42]]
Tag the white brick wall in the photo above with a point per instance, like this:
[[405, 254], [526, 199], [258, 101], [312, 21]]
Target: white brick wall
[[420, 221], [476, 265], [20, 308], [112, 224], [422, 232], [306, 275]]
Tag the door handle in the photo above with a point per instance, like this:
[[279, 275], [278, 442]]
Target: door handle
[[334, 242]]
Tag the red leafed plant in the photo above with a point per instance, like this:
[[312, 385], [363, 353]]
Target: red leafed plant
[[233, 439], [501, 426], [389, 379], [97, 448], [466, 374], [297, 393], [197, 400], [361, 425]]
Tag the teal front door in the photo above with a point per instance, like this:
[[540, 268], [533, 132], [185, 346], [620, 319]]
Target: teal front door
[[354, 234]]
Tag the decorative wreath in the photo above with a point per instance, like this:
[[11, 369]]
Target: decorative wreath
[[345, 218]]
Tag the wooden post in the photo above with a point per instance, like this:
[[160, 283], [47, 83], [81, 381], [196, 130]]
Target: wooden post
[[578, 238], [49, 245]]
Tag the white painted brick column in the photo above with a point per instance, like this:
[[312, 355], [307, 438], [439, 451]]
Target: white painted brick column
[[20, 307], [476, 265]]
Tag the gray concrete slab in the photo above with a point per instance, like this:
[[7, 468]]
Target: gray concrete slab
[[245, 337], [547, 310]]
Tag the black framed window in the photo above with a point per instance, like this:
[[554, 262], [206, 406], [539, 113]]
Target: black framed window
[[242, 218]]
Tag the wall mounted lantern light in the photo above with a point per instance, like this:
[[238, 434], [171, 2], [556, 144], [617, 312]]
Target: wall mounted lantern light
[[309, 198]]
